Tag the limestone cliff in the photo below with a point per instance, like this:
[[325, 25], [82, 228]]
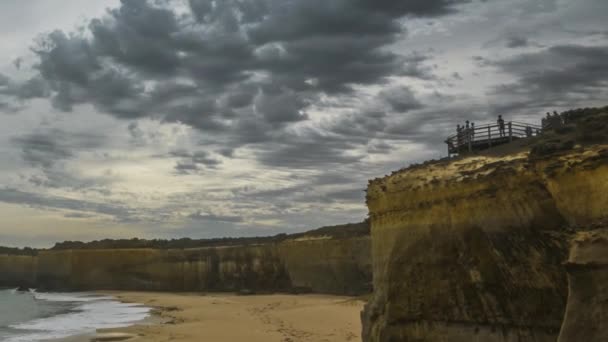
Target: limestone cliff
[[321, 264], [472, 249], [586, 317]]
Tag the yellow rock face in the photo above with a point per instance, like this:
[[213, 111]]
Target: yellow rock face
[[586, 317], [331, 265], [471, 250]]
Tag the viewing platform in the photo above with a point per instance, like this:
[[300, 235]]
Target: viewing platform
[[478, 138]]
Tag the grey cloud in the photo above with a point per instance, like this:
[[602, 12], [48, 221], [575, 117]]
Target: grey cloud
[[218, 218], [47, 151], [301, 47], [78, 215], [193, 162], [4, 80], [400, 99], [281, 107], [42, 149], [557, 76], [292, 20], [379, 148], [13, 196], [356, 195], [136, 34], [517, 42], [337, 141], [35, 87]]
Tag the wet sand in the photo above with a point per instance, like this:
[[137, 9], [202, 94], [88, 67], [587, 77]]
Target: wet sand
[[233, 318]]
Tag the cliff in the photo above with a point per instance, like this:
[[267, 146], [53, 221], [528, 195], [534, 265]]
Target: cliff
[[322, 264], [587, 310], [472, 249]]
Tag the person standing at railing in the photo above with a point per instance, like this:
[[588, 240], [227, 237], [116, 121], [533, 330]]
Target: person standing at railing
[[472, 135], [501, 126], [459, 135]]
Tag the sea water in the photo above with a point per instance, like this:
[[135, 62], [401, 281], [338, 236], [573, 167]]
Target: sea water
[[32, 316]]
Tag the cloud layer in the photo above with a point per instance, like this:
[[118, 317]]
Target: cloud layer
[[210, 118]]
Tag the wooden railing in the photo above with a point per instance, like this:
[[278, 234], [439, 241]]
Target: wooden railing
[[487, 136]]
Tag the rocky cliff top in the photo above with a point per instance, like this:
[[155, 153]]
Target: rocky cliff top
[[581, 128]]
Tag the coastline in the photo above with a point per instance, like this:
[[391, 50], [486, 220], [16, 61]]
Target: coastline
[[220, 317]]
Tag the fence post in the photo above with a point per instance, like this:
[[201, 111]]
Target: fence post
[[490, 135], [510, 131]]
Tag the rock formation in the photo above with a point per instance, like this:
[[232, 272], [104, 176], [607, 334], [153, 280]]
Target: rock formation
[[472, 249], [586, 317], [322, 264]]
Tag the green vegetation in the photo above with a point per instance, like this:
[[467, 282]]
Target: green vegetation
[[18, 251], [339, 231], [582, 126]]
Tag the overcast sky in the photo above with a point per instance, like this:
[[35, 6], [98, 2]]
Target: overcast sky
[[201, 118]]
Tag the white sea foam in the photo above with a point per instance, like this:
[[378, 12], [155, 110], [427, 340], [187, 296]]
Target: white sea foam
[[69, 297], [90, 313]]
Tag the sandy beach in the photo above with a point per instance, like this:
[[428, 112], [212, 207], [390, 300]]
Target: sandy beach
[[230, 318]]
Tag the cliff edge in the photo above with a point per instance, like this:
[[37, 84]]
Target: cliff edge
[[333, 260], [586, 316], [472, 249]]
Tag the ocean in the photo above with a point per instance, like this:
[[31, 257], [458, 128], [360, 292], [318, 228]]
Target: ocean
[[33, 316]]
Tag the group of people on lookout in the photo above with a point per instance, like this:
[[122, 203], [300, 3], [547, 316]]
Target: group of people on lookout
[[466, 132]]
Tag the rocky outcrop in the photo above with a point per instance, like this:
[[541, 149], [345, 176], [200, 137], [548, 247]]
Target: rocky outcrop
[[472, 249], [18, 270], [321, 264], [586, 317]]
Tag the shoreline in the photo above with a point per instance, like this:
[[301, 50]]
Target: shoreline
[[229, 317]]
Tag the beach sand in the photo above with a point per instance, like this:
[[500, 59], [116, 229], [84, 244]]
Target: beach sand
[[233, 318]]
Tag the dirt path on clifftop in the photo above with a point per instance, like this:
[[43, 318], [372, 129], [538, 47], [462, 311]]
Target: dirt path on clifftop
[[265, 318]]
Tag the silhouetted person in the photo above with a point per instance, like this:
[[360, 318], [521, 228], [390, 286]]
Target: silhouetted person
[[558, 117], [501, 126], [472, 131]]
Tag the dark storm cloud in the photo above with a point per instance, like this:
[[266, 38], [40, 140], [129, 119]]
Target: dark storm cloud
[[230, 49], [33, 88], [517, 42], [47, 151], [193, 162], [280, 106], [44, 149], [309, 150], [558, 76], [334, 144], [400, 99], [18, 197]]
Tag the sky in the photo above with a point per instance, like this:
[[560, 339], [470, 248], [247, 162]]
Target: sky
[[202, 118]]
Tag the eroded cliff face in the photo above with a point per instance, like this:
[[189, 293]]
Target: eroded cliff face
[[322, 265], [586, 317], [472, 250], [18, 270]]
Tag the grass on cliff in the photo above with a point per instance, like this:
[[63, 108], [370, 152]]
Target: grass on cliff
[[18, 251], [581, 127]]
